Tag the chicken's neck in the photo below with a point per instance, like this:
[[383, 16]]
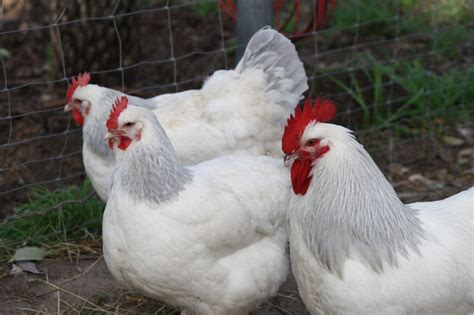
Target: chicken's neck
[[94, 141], [150, 170], [351, 210], [94, 129]]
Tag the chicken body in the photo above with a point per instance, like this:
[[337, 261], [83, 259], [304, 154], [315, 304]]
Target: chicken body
[[357, 249], [209, 238], [240, 111], [437, 280]]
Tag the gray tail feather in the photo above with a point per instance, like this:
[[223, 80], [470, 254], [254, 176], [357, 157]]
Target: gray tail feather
[[277, 57]]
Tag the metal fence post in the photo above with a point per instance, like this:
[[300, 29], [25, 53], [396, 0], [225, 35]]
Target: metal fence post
[[251, 16]]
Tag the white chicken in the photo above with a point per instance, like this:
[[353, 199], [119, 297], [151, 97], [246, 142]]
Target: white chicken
[[236, 111], [209, 238], [355, 247]]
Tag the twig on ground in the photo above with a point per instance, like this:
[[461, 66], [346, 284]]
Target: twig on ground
[[73, 277], [70, 306], [287, 296], [31, 310], [59, 302], [73, 294], [278, 308]]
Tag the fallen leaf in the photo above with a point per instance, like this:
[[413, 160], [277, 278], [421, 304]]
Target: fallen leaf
[[15, 270], [398, 169], [466, 132], [467, 152], [420, 178], [469, 171], [466, 156], [29, 253], [24, 266], [452, 140]]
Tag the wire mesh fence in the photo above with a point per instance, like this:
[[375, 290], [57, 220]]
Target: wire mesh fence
[[400, 71]]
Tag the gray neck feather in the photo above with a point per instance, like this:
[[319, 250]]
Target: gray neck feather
[[149, 169], [351, 210], [94, 129], [93, 133]]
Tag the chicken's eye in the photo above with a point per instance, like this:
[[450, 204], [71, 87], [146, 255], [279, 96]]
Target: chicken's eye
[[311, 141], [129, 124]]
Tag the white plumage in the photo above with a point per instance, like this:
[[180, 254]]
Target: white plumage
[[209, 238], [236, 111], [357, 249]]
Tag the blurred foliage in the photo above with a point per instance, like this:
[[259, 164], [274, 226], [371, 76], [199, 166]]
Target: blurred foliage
[[413, 15]]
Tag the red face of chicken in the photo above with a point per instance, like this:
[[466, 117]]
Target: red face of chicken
[[301, 156], [121, 135], [74, 105]]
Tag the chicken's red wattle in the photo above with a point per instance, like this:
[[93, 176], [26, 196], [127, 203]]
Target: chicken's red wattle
[[77, 116], [124, 142], [300, 178]]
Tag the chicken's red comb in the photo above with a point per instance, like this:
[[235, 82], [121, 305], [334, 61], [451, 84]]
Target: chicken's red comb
[[119, 106], [81, 80], [322, 110]]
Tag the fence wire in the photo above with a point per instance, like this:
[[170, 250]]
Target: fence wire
[[367, 57]]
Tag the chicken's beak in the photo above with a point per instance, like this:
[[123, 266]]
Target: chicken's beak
[[68, 107], [109, 135], [288, 160]]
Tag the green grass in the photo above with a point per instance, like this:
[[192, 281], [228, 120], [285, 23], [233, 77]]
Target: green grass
[[449, 40], [433, 97], [423, 99], [415, 15], [444, 21], [372, 102], [51, 217], [353, 12]]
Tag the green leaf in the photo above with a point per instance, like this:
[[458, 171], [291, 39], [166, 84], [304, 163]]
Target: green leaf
[[29, 253]]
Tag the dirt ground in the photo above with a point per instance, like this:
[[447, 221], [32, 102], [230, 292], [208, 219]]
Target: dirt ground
[[85, 286]]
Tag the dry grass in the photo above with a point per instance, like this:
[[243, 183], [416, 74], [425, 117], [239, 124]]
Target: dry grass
[[77, 281]]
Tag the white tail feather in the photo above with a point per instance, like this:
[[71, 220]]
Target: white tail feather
[[277, 57]]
